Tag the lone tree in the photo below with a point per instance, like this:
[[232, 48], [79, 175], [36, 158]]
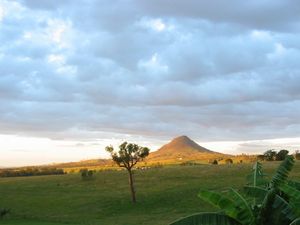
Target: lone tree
[[128, 156]]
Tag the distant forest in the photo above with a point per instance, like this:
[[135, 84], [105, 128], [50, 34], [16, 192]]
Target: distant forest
[[30, 171]]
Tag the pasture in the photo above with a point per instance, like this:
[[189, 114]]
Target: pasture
[[163, 195]]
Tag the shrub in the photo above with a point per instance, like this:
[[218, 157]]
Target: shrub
[[189, 163], [86, 174]]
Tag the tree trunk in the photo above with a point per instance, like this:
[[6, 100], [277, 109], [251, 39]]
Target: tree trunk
[[131, 186]]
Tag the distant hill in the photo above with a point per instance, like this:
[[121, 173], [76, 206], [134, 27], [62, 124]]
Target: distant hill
[[182, 148], [83, 163]]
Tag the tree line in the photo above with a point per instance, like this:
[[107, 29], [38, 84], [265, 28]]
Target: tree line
[[30, 171], [272, 155]]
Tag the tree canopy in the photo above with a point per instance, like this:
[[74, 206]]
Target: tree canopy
[[128, 156]]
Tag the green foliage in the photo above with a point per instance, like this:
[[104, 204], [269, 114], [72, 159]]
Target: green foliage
[[30, 171], [282, 173], [294, 184], [296, 222], [257, 177], [281, 155], [234, 205], [274, 204], [87, 174], [128, 155], [270, 155], [256, 193], [206, 219], [284, 210]]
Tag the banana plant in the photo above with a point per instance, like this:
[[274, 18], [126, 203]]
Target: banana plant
[[257, 177], [273, 203]]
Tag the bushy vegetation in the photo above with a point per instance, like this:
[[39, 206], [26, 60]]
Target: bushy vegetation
[[87, 174], [189, 163], [30, 171], [272, 155], [274, 203]]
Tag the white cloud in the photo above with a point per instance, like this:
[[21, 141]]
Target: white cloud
[[57, 59], [59, 32], [157, 24], [260, 34]]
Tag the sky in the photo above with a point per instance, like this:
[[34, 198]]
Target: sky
[[76, 76]]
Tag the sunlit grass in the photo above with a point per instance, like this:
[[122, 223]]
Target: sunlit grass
[[163, 194]]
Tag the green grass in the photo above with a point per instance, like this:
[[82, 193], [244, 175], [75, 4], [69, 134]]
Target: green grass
[[27, 222], [163, 194]]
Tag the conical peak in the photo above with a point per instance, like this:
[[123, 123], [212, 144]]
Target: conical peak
[[183, 143], [182, 139]]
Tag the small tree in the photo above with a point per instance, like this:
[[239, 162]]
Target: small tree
[[270, 155], [128, 156], [281, 155]]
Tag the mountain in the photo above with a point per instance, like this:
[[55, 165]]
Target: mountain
[[182, 148]]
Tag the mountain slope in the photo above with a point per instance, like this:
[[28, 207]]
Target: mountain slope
[[183, 148]]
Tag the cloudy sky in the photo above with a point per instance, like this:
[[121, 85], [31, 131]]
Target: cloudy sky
[[76, 76]]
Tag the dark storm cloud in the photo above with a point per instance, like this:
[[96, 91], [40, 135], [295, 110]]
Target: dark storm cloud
[[278, 14], [78, 70]]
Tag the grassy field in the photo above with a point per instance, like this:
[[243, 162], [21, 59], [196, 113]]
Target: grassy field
[[163, 194]]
